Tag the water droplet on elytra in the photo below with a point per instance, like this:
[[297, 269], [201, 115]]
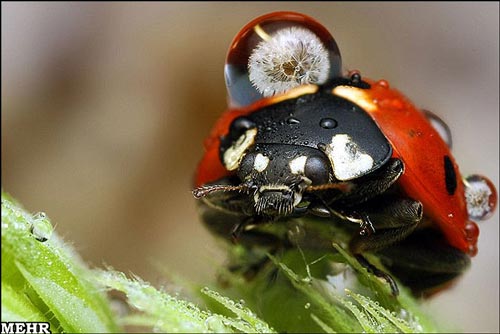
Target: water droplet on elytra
[[292, 120], [328, 123], [383, 83]]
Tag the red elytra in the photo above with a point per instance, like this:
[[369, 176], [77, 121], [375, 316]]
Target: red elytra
[[420, 147]]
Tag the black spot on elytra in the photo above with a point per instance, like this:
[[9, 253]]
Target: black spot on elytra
[[450, 176]]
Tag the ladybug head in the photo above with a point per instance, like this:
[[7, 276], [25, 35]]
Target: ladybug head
[[280, 174], [278, 178]]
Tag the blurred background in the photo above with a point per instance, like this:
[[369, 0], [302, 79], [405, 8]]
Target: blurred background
[[105, 107]]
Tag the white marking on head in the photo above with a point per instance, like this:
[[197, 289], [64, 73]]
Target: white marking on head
[[260, 163], [233, 155], [298, 165], [348, 161]]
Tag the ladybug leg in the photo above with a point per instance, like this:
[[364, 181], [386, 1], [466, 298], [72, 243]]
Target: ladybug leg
[[388, 219], [424, 261], [379, 273], [391, 219], [337, 203]]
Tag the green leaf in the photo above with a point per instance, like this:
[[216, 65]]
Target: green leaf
[[387, 321], [255, 325], [166, 313], [16, 306], [43, 276]]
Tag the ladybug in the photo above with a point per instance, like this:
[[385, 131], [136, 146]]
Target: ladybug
[[303, 139]]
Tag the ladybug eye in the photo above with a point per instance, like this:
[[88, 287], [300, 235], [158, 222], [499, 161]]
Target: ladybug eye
[[317, 169], [277, 52]]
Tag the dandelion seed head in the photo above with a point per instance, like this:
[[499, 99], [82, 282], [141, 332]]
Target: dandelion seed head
[[291, 57]]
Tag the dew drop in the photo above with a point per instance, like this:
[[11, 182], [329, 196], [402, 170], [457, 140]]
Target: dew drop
[[481, 197], [41, 227], [306, 280], [307, 306], [355, 76], [214, 324], [328, 123], [40, 215], [471, 231], [383, 83], [404, 314], [292, 120], [277, 52]]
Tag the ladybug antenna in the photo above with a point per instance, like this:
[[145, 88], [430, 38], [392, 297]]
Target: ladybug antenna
[[342, 186], [205, 190]]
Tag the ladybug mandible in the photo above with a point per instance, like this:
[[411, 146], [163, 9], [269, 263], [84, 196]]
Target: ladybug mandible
[[301, 138]]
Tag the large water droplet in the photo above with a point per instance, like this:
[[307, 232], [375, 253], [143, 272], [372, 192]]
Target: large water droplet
[[277, 52]]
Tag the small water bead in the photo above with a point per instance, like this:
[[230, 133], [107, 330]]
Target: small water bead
[[471, 231], [40, 215], [307, 280], [215, 324], [355, 76], [41, 227], [328, 123], [307, 306], [440, 126], [383, 83], [292, 120]]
